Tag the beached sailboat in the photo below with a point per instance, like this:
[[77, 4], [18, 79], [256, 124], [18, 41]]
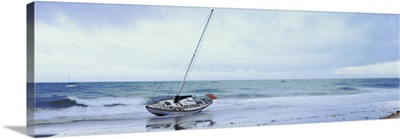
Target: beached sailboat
[[70, 85], [182, 105]]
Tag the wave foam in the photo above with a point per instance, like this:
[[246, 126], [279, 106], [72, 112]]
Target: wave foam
[[107, 101], [89, 109]]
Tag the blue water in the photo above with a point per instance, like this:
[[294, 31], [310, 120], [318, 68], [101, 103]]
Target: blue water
[[113, 100]]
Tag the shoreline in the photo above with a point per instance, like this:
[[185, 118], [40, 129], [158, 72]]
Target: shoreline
[[210, 120]]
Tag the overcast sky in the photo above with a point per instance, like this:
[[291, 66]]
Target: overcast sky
[[97, 42]]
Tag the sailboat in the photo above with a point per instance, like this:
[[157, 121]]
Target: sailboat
[[70, 85], [186, 104]]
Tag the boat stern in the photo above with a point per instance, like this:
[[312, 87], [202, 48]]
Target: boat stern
[[211, 96]]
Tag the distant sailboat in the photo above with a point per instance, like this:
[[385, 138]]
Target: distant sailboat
[[70, 85], [182, 105]]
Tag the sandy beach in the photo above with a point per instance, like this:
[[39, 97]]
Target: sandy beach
[[212, 119]]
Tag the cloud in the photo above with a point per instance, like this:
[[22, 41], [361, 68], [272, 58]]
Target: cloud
[[139, 51], [120, 42], [288, 40], [386, 69]]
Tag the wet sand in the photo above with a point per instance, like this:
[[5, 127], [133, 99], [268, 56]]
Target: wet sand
[[218, 119]]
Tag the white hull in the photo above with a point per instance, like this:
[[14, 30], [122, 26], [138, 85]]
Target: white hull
[[163, 112], [71, 85]]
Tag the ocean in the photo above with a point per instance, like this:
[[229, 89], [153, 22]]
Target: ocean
[[241, 100]]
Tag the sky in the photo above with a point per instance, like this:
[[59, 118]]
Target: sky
[[99, 42]]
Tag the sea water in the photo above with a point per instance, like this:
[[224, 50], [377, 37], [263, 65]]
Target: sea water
[[237, 99]]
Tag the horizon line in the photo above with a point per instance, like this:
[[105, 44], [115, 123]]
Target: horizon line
[[219, 80]]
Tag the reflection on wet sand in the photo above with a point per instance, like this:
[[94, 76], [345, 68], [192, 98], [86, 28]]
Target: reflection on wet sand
[[199, 120]]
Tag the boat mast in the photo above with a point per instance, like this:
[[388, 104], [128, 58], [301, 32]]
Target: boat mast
[[194, 55], [69, 80]]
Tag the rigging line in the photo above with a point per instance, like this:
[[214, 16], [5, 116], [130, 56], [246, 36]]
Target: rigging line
[[194, 65], [174, 67], [188, 50], [197, 32], [168, 75], [198, 59], [173, 73], [212, 58], [155, 92], [193, 40], [194, 55]]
